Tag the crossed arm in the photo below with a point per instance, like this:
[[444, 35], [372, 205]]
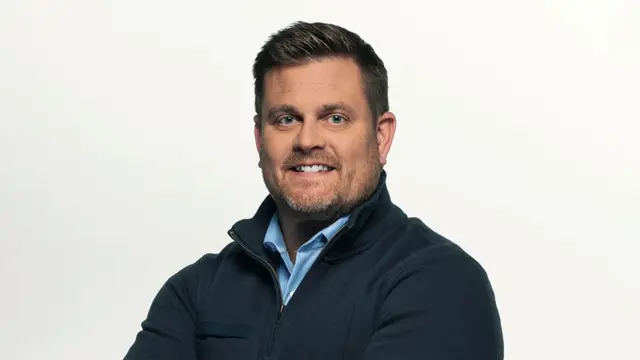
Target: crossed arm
[[442, 308]]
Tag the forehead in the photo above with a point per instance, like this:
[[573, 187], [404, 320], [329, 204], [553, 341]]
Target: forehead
[[315, 83]]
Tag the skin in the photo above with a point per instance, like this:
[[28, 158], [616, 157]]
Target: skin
[[317, 113]]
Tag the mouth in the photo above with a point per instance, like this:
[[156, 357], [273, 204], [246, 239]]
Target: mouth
[[314, 168]]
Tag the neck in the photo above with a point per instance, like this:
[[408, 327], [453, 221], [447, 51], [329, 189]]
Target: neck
[[297, 229]]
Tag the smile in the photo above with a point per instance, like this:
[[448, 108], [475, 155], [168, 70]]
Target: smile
[[312, 168]]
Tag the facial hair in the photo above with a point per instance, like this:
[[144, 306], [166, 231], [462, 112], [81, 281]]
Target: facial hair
[[349, 194]]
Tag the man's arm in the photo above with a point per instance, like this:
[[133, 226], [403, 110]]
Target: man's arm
[[168, 331], [440, 307]]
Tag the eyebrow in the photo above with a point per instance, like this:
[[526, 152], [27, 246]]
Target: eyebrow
[[282, 109], [339, 106], [325, 108]]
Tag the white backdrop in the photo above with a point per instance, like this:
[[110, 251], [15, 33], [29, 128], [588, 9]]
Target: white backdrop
[[126, 152]]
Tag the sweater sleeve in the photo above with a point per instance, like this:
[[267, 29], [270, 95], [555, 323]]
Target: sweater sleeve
[[168, 331], [439, 308]]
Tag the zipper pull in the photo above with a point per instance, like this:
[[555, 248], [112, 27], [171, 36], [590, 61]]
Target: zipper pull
[[281, 308]]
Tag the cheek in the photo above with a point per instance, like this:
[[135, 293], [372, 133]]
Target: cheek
[[360, 152], [272, 156]]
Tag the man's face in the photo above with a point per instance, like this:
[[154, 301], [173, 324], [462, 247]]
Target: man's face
[[320, 153]]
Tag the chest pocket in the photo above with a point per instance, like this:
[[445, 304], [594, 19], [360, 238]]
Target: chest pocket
[[224, 341]]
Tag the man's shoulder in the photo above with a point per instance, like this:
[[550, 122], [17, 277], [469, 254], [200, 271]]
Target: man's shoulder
[[210, 261], [420, 238], [206, 265], [420, 247]]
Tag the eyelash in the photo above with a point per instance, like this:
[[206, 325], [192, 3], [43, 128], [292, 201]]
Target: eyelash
[[279, 120]]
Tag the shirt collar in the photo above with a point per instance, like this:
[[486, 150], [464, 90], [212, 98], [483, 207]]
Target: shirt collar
[[274, 240]]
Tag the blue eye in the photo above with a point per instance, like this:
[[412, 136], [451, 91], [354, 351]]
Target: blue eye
[[337, 119], [286, 120]]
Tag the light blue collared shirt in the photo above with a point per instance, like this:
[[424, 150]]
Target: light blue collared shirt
[[290, 275]]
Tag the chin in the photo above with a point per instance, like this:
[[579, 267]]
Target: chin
[[311, 202], [311, 209], [308, 200]]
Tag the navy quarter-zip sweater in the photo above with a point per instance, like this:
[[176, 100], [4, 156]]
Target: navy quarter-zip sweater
[[385, 288]]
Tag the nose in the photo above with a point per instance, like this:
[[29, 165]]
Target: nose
[[308, 138]]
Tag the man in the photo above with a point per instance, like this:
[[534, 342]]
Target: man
[[328, 268]]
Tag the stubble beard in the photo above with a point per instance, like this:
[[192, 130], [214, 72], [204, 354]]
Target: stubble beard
[[347, 194]]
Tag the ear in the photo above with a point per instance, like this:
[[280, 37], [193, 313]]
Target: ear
[[257, 131], [385, 131]]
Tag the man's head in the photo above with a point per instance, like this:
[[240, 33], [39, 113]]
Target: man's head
[[323, 127]]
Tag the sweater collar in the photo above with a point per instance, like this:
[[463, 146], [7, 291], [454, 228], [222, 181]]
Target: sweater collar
[[249, 233]]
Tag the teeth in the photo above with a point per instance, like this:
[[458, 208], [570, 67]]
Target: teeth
[[312, 168]]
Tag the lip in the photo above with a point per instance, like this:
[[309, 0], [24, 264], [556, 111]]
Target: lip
[[310, 175], [311, 164], [303, 174]]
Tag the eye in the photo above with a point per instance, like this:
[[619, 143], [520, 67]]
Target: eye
[[337, 119], [286, 120]]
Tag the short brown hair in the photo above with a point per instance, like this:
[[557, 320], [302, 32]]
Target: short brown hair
[[301, 42]]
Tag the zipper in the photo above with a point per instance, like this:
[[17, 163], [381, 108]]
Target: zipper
[[274, 276]]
